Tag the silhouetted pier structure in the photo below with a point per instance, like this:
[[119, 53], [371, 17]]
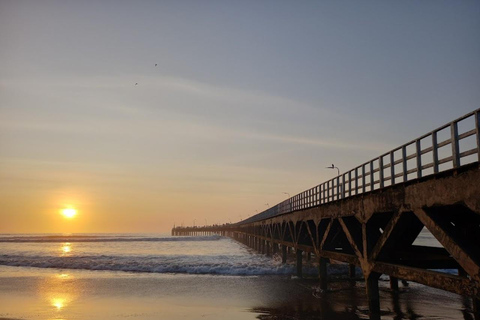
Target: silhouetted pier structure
[[371, 216]]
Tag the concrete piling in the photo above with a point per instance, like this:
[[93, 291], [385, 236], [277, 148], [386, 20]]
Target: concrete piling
[[284, 253], [373, 294], [322, 273], [351, 271], [393, 283], [299, 263]]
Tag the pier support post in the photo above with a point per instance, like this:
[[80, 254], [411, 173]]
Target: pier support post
[[322, 273], [299, 263], [373, 294], [309, 256], [393, 283], [476, 308], [274, 247], [267, 244], [284, 253], [351, 271]]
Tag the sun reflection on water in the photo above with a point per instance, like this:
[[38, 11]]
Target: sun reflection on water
[[59, 291], [66, 248], [58, 303]]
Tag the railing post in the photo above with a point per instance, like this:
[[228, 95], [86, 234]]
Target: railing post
[[349, 183], [322, 193], [435, 152], [380, 171], [363, 178], [372, 177], [356, 180], [338, 187], [328, 190], [477, 127], [404, 163], [319, 194], [455, 146], [342, 186], [392, 168], [419, 158]]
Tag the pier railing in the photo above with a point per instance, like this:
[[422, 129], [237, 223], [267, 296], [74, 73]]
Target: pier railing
[[447, 147]]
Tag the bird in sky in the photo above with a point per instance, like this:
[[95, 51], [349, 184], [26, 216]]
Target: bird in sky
[[155, 64], [136, 83]]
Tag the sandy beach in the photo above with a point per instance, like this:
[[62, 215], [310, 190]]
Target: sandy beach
[[31, 293]]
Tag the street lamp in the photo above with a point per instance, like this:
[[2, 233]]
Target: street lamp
[[339, 185], [334, 167]]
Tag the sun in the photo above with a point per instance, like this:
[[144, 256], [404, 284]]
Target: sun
[[69, 212]]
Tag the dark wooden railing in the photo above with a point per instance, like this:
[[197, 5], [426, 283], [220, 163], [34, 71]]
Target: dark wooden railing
[[450, 146]]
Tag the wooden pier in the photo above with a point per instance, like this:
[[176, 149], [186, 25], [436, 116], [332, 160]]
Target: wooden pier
[[371, 216]]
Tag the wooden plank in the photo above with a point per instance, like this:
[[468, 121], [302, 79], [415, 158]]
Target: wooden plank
[[467, 134], [444, 143], [339, 256], [433, 279], [468, 153]]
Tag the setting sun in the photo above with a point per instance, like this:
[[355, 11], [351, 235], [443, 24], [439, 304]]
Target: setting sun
[[69, 212]]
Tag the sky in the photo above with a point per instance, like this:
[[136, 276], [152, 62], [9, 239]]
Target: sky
[[145, 114]]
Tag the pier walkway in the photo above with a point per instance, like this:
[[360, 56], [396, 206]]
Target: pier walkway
[[372, 215]]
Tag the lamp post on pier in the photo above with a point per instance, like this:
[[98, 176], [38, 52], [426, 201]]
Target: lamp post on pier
[[334, 167], [339, 185]]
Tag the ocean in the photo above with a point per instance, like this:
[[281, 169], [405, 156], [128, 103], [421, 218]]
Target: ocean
[[152, 276], [160, 254]]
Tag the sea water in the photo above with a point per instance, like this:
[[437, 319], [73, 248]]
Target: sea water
[[152, 276], [149, 253]]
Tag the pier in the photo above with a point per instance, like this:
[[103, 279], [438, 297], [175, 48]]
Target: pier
[[369, 217]]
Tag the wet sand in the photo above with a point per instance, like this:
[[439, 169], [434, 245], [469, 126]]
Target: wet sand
[[29, 293]]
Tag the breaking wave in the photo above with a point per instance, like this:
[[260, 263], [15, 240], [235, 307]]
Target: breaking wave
[[183, 264]]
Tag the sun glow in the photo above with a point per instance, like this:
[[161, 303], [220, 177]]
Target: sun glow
[[69, 212]]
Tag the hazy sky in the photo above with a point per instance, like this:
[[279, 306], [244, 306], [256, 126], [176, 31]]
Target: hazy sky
[[249, 99]]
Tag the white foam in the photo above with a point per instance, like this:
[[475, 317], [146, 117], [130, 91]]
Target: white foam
[[186, 264]]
